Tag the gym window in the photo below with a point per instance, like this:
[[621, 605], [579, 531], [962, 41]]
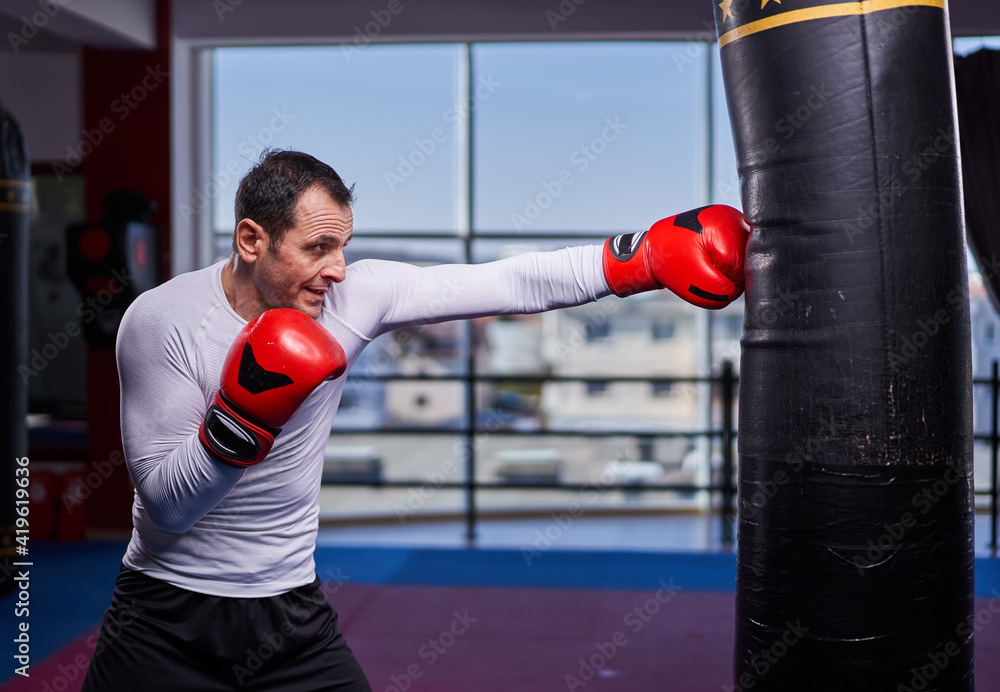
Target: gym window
[[469, 152]]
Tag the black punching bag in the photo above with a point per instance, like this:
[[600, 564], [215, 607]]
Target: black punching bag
[[855, 558], [14, 171]]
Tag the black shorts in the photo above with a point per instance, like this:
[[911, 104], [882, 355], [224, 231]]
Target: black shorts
[[159, 637]]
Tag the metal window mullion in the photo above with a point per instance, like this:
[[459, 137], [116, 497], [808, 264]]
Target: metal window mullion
[[703, 318], [466, 174]]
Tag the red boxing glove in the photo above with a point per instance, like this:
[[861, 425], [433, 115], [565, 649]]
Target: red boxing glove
[[698, 255], [276, 361]]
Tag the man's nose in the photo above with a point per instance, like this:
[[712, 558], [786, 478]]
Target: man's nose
[[334, 268]]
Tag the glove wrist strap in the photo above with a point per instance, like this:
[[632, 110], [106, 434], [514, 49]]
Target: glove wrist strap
[[625, 267], [233, 438]]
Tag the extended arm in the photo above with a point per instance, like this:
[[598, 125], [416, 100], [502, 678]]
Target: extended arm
[[698, 255], [528, 283]]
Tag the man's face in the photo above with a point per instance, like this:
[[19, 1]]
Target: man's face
[[310, 257]]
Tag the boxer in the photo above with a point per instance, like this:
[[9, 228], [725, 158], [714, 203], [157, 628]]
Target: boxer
[[230, 379]]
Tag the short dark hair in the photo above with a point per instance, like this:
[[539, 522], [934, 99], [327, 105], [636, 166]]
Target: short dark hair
[[269, 192]]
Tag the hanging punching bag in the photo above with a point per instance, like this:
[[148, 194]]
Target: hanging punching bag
[[14, 171], [855, 557]]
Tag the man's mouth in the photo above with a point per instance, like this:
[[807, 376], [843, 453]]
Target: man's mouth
[[320, 292]]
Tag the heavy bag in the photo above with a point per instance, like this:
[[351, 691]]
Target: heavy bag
[[855, 555]]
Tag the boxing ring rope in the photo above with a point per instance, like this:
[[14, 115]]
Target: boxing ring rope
[[726, 383]]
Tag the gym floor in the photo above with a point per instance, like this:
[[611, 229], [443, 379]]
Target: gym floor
[[652, 610]]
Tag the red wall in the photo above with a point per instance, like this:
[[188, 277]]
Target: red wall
[[126, 115]]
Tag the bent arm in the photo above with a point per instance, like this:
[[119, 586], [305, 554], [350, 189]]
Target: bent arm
[[162, 406]]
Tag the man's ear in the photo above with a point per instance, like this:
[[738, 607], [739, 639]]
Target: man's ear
[[251, 240]]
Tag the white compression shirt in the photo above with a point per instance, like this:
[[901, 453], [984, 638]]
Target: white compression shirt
[[206, 527]]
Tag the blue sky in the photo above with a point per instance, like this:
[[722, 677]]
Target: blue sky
[[567, 137], [595, 137]]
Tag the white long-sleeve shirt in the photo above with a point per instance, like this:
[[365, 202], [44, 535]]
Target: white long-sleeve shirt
[[206, 527]]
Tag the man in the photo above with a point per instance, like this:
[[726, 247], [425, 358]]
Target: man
[[230, 380]]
